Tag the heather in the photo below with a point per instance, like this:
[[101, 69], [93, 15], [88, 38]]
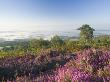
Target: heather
[[89, 65]]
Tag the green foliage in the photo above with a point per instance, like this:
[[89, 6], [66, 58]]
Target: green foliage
[[36, 45], [56, 42], [86, 33], [102, 41], [72, 45], [40, 43]]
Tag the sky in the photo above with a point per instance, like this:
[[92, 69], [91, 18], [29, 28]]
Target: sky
[[53, 15]]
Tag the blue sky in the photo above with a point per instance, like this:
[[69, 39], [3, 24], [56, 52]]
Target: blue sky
[[53, 14]]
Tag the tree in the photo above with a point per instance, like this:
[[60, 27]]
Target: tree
[[56, 42], [37, 44], [102, 41], [86, 33]]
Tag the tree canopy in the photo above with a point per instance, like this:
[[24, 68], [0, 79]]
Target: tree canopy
[[86, 32]]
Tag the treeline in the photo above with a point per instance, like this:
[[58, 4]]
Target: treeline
[[86, 39]]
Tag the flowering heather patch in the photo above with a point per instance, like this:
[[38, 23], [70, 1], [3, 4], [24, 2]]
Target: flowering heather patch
[[65, 74], [30, 65], [58, 67], [72, 74]]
